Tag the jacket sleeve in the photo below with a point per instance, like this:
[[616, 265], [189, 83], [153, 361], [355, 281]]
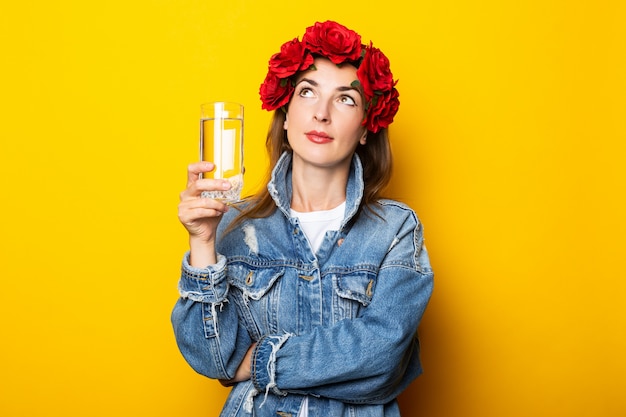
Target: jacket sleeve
[[366, 360], [206, 324]]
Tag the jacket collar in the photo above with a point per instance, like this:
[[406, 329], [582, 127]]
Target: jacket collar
[[280, 187]]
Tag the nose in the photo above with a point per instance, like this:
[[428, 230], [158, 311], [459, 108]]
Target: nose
[[322, 113]]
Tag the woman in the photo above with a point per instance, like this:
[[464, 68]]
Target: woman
[[307, 297]]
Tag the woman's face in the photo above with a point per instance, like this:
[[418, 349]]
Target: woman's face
[[324, 116]]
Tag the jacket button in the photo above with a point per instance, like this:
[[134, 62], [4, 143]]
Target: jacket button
[[340, 242], [368, 291], [250, 278]]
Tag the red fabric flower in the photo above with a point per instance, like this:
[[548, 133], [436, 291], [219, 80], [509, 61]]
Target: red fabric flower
[[333, 41], [293, 57], [376, 79], [382, 111], [275, 92], [374, 72]]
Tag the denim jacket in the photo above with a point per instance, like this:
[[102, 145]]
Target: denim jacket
[[338, 325]]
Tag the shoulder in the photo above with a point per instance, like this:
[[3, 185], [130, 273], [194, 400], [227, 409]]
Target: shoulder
[[395, 205], [396, 217], [393, 211], [391, 216], [409, 234]]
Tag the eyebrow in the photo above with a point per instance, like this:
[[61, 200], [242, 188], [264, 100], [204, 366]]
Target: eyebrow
[[316, 84]]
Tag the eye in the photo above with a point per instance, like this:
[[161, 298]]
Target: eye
[[305, 92], [347, 100]]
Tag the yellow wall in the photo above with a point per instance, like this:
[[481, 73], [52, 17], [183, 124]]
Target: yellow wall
[[510, 143]]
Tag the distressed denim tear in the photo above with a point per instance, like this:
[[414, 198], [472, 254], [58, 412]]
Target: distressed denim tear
[[249, 237], [249, 402], [210, 321], [275, 342]]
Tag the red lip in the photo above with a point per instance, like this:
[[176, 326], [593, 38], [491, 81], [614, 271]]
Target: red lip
[[318, 137]]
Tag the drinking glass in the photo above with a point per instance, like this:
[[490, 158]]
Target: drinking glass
[[221, 142]]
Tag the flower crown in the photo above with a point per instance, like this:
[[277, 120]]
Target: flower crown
[[340, 45]]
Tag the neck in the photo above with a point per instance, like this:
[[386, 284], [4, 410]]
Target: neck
[[315, 189]]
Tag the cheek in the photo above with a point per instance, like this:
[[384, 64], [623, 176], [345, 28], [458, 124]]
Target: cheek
[[295, 118]]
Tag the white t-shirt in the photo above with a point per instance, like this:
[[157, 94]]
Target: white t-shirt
[[315, 224]]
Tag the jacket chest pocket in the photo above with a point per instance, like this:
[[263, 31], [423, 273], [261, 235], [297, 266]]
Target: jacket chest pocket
[[257, 294], [353, 292]]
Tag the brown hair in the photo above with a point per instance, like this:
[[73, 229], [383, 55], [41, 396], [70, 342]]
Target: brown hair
[[375, 157]]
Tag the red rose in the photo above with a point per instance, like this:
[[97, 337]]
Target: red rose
[[374, 72], [382, 111], [333, 41], [293, 57], [275, 92]]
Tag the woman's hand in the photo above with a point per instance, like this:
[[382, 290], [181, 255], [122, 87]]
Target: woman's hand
[[200, 216], [244, 371]]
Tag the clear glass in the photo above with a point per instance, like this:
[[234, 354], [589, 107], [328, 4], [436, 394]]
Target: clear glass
[[221, 142]]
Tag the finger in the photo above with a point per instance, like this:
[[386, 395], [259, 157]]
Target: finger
[[194, 170], [210, 184], [201, 221], [196, 187], [200, 208], [203, 204], [197, 217]]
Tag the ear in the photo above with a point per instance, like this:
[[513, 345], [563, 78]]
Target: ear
[[285, 124], [363, 139]]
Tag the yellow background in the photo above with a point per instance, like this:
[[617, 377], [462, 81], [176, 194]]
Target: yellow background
[[510, 144]]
